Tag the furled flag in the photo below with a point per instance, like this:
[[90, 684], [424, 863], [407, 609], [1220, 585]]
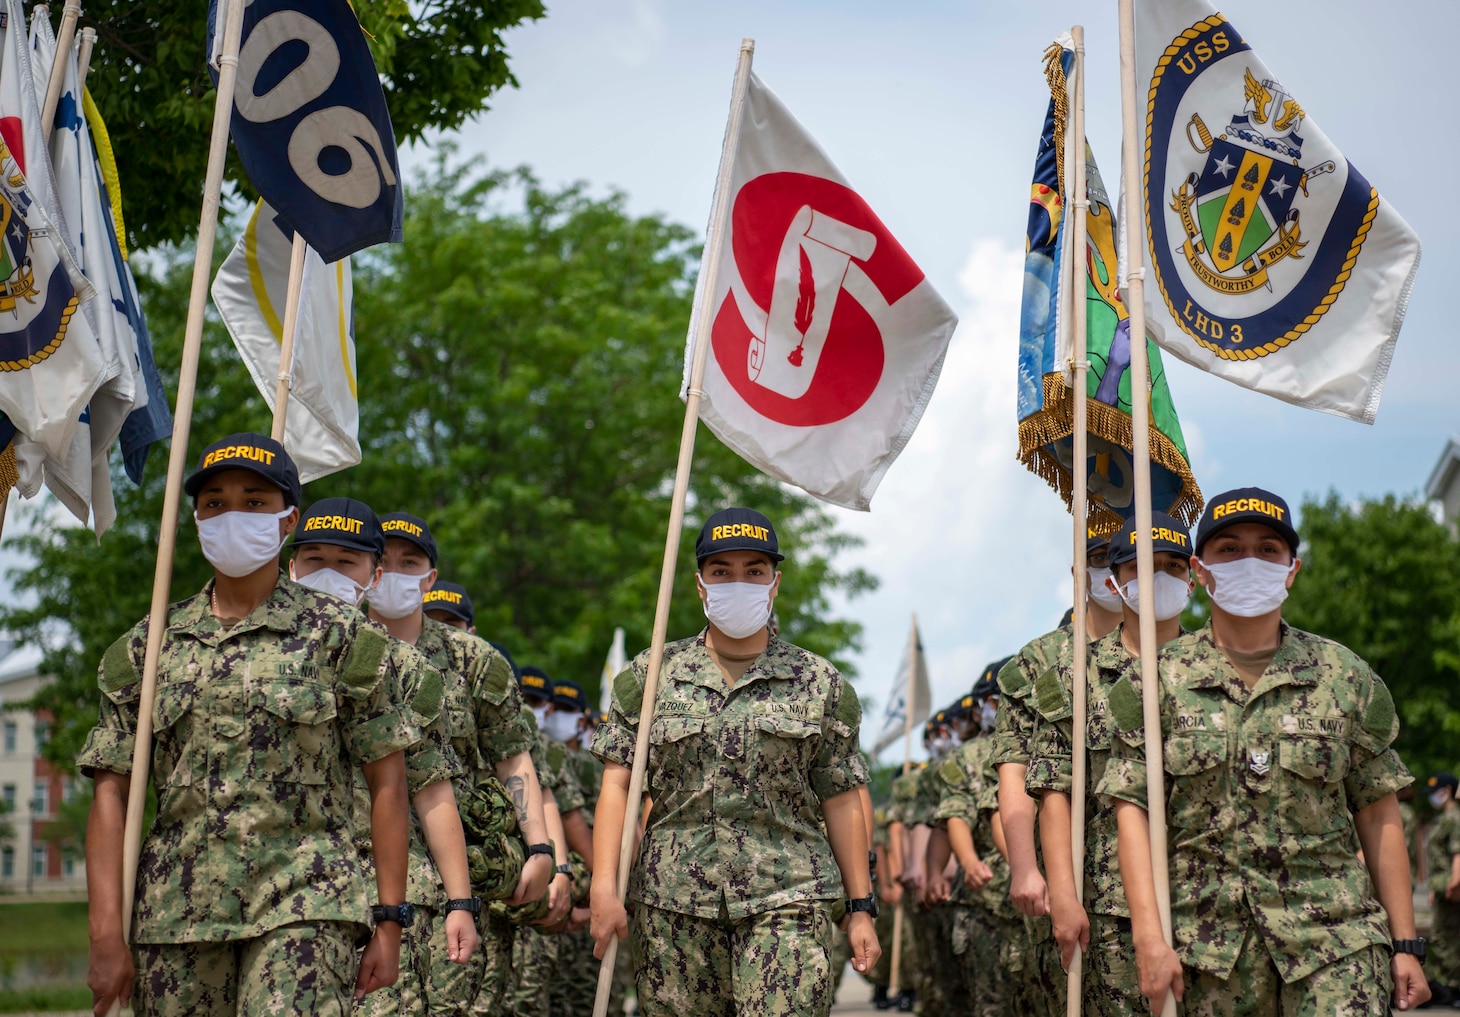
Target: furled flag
[[315, 136], [149, 421], [322, 427], [615, 662], [911, 680], [1272, 261], [50, 363], [1045, 351], [827, 338]]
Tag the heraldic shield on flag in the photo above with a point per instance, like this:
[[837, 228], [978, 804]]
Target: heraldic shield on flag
[[1277, 265], [826, 337]]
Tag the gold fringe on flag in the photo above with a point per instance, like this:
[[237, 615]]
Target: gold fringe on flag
[[1052, 424], [1059, 93]]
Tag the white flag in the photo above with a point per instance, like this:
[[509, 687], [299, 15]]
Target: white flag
[[827, 338], [1272, 261], [50, 363], [322, 425], [912, 677], [616, 661]]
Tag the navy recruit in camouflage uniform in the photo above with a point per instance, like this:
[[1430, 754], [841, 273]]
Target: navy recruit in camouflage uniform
[[734, 877]]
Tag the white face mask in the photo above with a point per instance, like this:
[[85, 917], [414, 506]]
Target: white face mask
[[540, 714], [1249, 587], [334, 583], [988, 715], [1099, 592], [739, 610], [397, 596], [1439, 798], [562, 727], [240, 543], [1172, 593], [586, 740]]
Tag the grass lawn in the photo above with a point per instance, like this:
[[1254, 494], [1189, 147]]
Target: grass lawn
[[37, 938]]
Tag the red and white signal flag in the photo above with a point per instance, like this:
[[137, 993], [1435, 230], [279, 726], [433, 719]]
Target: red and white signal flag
[[826, 338]]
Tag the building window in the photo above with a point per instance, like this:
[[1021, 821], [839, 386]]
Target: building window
[[7, 862], [9, 736], [38, 861], [7, 793], [68, 866], [42, 800], [68, 789], [42, 734]]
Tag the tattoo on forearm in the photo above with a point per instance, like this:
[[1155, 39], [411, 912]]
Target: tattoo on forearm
[[517, 787]]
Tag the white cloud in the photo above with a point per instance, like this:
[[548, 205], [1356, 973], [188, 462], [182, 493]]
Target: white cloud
[[636, 32]]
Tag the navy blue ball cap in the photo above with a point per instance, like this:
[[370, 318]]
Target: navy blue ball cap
[[247, 451], [988, 682], [1167, 534], [412, 528], [516, 671], [568, 695], [534, 681], [451, 598], [1095, 541], [1442, 779], [737, 529], [1246, 505], [343, 522]]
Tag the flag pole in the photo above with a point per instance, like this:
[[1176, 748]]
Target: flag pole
[[83, 58], [894, 983], [1141, 454], [69, 15], [291, 326], [177, 457], [702, 318], [1078, 203]]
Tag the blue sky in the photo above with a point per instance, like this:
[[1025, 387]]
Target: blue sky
[[932, 110]]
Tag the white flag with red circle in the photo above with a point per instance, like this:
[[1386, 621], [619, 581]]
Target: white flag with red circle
[[826, 338]]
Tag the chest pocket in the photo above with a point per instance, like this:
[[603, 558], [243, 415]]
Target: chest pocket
[[1200, 773], [291, 737], [172, 756], [1312, 794], [784, 750], [678, 756]]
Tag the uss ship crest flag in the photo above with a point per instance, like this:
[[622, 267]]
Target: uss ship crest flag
[[1274, 262]]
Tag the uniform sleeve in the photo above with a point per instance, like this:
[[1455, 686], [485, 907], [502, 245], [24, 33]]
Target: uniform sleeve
[[1125, 773], [374, 718], [119, 679], [1014, 725], [497, 704], [613, 742], [839, 766], [566, 789], [1374, 767], [1051, 760], [432, 759], [959, 794]]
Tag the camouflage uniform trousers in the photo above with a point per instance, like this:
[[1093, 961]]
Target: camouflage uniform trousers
[[452, 986], [1040, 988], [938, 996], [623, 979], [910, 974], [534, 969], [773, 964], [409, 993], [841, 955], [1442, 965], [1111, 987], [882, 971], [495, 971], [576, 984], [1358, 985], [303, 968], [980, 945]]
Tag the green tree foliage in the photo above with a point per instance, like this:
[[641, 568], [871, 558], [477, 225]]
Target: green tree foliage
[[519, 361], [1383, 578], [439, 61]]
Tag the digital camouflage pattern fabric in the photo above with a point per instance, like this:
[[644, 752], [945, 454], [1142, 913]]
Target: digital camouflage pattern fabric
[[718, 843], [1357, 985], [1442, 966], [1262, 790], [258, 730]]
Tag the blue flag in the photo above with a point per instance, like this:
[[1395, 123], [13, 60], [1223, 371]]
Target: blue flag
[[311, 126]]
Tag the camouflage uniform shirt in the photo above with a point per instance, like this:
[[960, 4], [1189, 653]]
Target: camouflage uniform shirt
[[1443, 845], [903, 806], [737, 775], [1051, 767], [258, 730], [1014, 728], [483, 706], [1262, 791], [588, 771], [971, 793]]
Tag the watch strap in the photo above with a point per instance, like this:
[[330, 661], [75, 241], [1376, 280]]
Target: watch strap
[[539, 849], [565, 870], [472, 904], [401, 914], [1415, 947]]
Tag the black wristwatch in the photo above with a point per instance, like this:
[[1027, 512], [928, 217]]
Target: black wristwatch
[[539, 849], [401, 914], [867, 904], [472, 904], [565, 870], [1411, 946]]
